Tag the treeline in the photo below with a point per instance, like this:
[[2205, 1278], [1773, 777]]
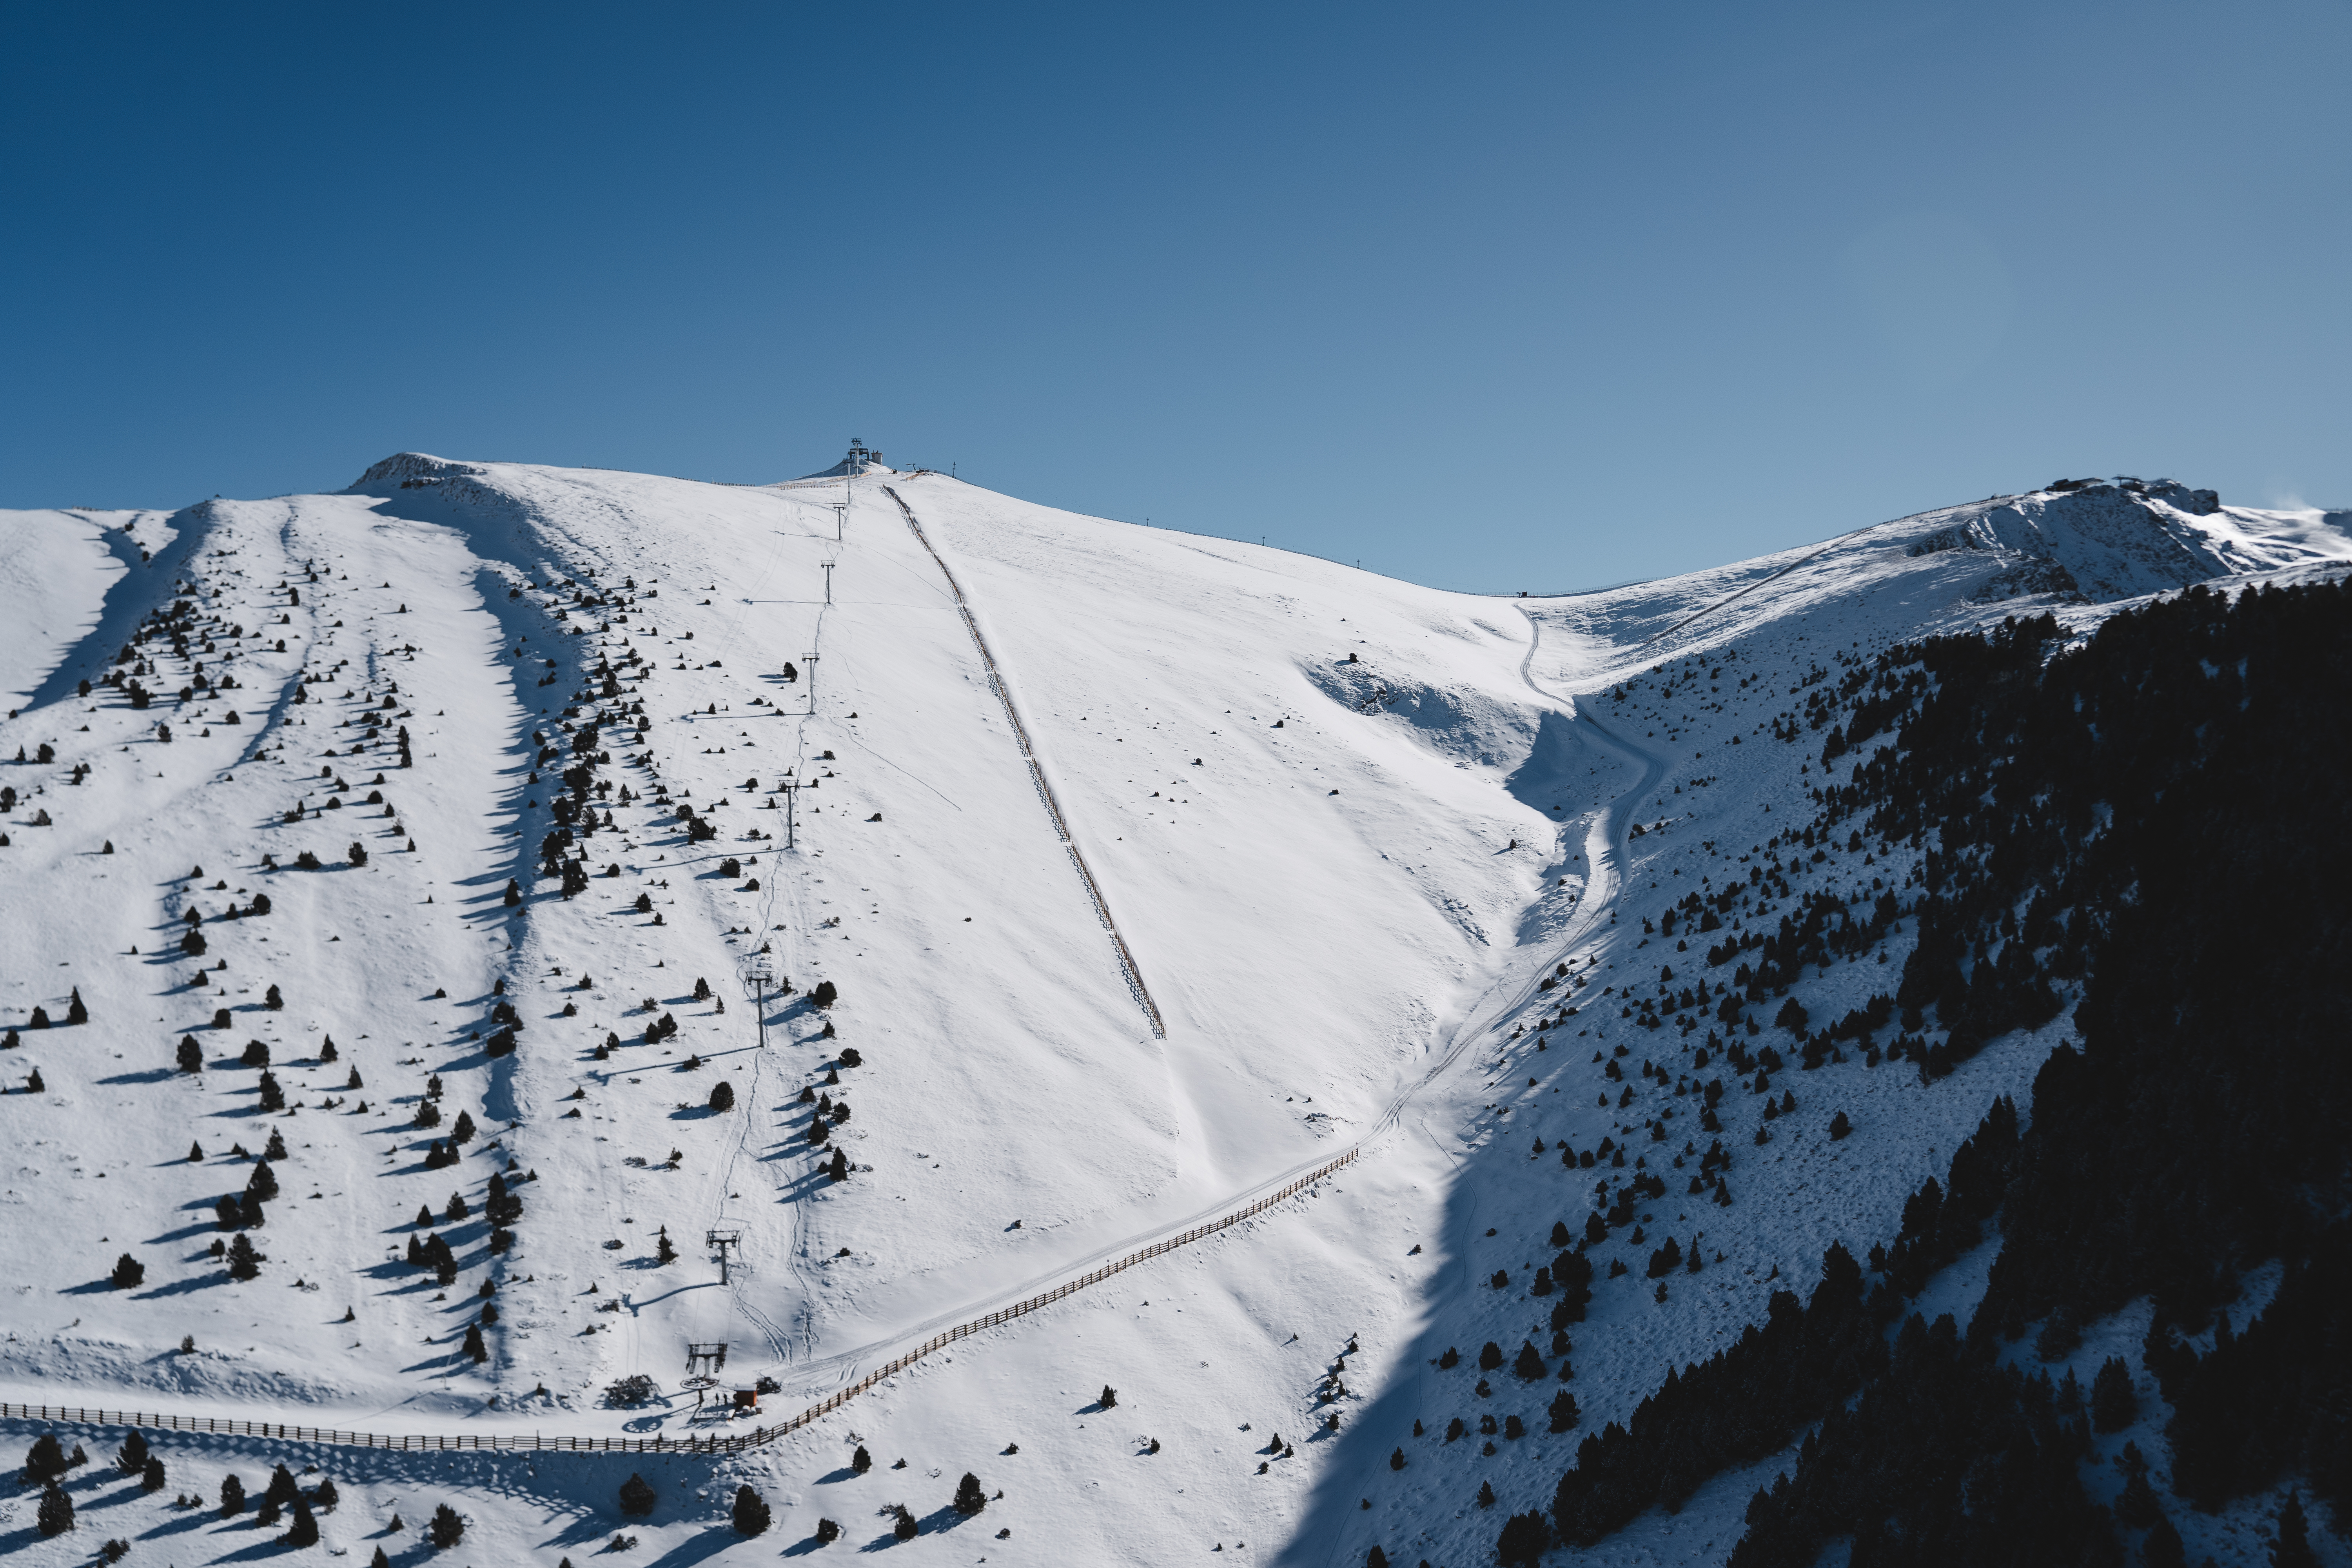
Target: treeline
[[2160, 811]]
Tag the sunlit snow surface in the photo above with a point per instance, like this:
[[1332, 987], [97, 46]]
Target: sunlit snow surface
[[1342, 920]]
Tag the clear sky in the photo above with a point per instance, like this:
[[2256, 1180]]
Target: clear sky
[[1490, 297]]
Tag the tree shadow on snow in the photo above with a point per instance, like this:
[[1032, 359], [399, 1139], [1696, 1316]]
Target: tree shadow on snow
[[709, 1543]]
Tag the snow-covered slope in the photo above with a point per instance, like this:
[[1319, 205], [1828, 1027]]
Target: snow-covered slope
[[1345, 828]]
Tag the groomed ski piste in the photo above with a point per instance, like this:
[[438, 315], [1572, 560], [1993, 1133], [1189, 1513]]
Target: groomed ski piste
[[1342, 830]]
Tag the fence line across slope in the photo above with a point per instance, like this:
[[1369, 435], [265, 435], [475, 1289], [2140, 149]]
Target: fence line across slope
[[82, 1415]]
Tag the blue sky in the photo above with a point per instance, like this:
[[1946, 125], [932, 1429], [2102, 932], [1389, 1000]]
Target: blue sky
[[1491, 297]]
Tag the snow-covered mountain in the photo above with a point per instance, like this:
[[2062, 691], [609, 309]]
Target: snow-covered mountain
[[1143, 871]]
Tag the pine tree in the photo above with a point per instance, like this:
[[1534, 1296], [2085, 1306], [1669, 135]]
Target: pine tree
[[827, 1532], [129, 1273], [2292, 1549], [132, 1457], [751, 1513], [379, 1559], [256, 1055], [282, 1489], [839, 1169], [474, 1345], [1564, 1413], [1376, 1558], [325, 1498], [150, 1479], [905, 1529], [1529, 1365], [263, 1183], [1109, 1398], [75, 1012], [860, 1461], [969, 1496], [722, 1097], [1487, 1492], [1490, 1356], [276, 1148], [55, 1515], [458, 1209], [273, 1095], [46, 1461], [463, 1131], [2161, 1547], [447, 1529], [232, 1502], [2113, 1401], [664, 1252], [272, 1000], [195, 1154], [244, 1263], [825, 995], [637, 1498], [1523, 1538], [304, 1529], [192, 1056]]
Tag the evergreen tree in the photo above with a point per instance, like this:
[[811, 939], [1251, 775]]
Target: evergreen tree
[[150, 1479], [1523, 1538], [232, 1502], [424, 1222], [444, 1261], [46, 1461], [1109, 1398], [1376, 1558], [244, 1263], [722, 1096], [1487, 1492], [1529, 1364], [2291, 1549], [192, 1056], [860, 1461], [825, 995], [838, 1169], [751, 1513], [304, 1529], [447, 1529], [827, 1532], [379, 1559], [282, 1489], [2113, 1401], [262, 1184], [969, 1498], [56, 1514], [276, 1148], [129, 1273], [905, 1529], [195, 1154], [2161, 1547], [325, 1498], [75, 1012], [456, 1209], [664, 1252], [474, 1345], [463, 1131], [1564, 1413], [1490, 1356], [256, 1054], [637, 1498], [273, 1094], [132, 1457]]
